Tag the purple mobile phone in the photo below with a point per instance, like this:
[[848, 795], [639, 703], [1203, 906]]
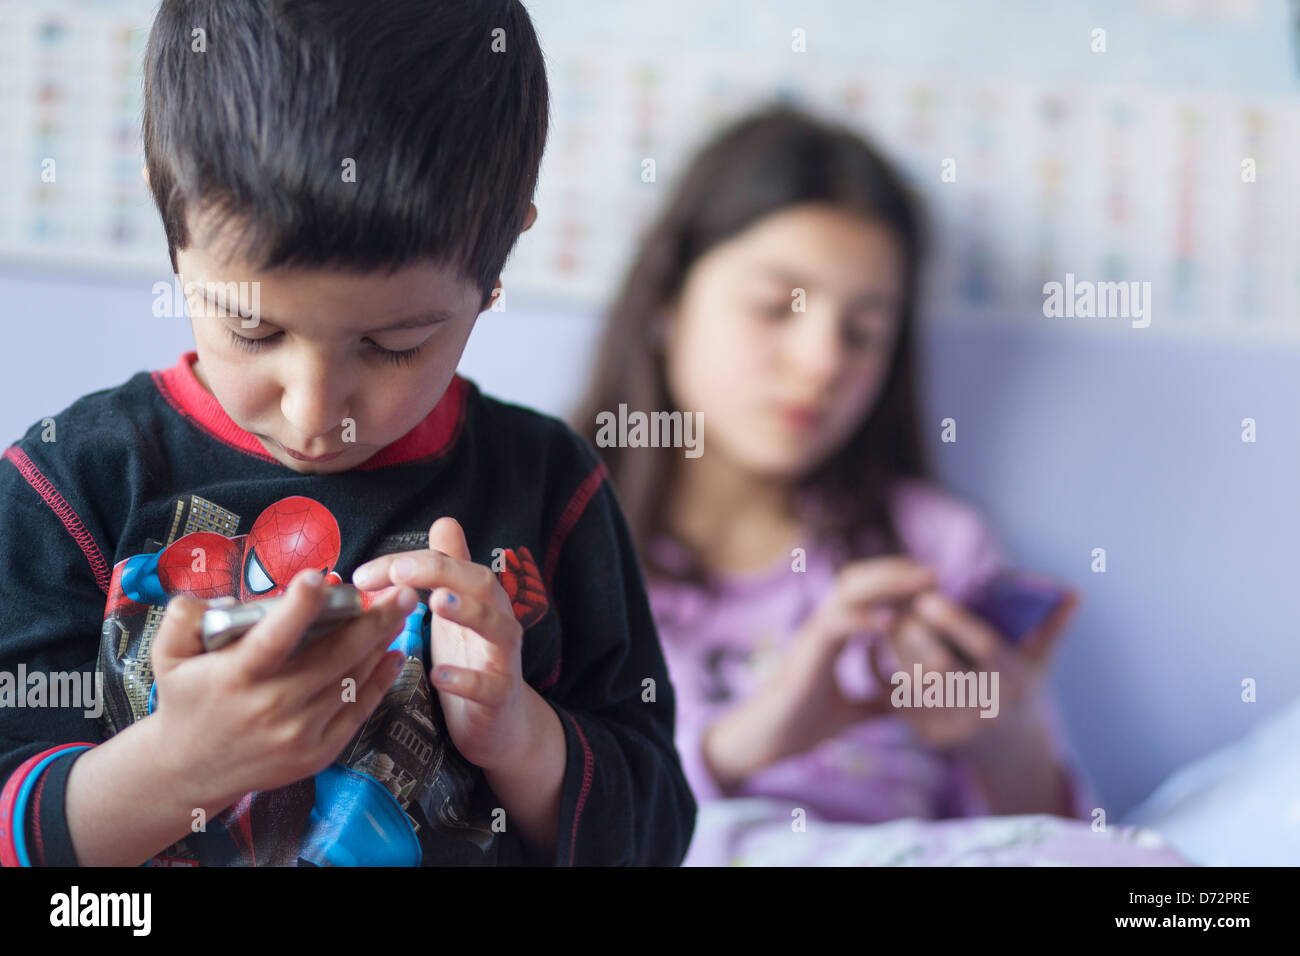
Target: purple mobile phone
[[1016, 603]]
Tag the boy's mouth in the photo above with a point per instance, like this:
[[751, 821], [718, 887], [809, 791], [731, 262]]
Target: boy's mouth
[[301, 457]]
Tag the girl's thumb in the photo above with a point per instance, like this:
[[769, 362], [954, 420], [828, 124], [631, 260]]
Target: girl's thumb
[[839, 623], [877, 705]]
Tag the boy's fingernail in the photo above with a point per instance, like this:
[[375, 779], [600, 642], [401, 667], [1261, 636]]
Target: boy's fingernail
[[407, 599], [364, 574]]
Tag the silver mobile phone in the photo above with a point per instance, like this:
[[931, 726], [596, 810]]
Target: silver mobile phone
[[226, 620]]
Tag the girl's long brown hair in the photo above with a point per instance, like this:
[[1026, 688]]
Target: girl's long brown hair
[[771, 160]]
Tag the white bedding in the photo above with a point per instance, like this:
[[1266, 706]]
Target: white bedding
[[1240, 806], [758, 831]]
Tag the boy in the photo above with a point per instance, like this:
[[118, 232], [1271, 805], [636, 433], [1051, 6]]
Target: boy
[[365, 169]]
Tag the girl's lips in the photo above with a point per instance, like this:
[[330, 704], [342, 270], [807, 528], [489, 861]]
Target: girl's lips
[[801, 417]]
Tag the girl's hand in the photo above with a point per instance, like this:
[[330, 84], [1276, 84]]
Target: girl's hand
[[475, 643], [801, 704], [937, 632]]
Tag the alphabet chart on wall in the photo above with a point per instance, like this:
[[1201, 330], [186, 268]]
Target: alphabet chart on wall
[[70, 153], [1161, 161], [1022, 186], [1155, 167]]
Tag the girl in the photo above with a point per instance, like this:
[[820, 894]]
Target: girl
[[804, 556]]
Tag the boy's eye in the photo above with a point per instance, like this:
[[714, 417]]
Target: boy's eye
[[251, 345], [404, 357], [397, 357]]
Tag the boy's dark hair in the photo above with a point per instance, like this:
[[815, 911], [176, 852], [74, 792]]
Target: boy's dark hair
[[447, 133]]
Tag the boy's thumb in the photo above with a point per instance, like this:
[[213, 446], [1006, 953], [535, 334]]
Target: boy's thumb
[[446, 535], [180, 633]]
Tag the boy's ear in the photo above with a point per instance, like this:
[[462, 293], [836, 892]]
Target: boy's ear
[[144, 171], [532, 217]]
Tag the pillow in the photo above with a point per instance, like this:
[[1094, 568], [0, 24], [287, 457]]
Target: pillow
[[1239, 806]]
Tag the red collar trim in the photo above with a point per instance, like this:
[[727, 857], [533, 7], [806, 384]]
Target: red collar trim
[[433, 437]]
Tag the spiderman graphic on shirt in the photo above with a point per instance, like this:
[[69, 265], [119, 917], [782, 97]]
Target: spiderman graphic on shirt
[[292, 535]]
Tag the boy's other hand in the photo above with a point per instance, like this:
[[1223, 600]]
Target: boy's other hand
[[475, 641]]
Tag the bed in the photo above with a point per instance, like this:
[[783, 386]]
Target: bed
[[1239, 806]]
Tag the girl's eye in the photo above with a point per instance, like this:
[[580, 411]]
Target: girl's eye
[[859, 338], [867, 337], [402, 357], [774, 310]]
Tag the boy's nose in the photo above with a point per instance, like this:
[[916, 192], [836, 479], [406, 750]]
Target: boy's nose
[[324, 435], [315, 411]]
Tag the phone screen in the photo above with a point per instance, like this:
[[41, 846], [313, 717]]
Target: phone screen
[[1016, 603]]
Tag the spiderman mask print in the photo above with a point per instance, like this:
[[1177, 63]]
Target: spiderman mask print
[[397, 787]]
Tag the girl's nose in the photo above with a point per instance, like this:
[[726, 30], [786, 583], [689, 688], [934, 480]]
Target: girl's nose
[[817, 346]]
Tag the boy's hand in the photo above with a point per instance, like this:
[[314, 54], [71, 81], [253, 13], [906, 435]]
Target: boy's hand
[[250, 717], [475, 641]]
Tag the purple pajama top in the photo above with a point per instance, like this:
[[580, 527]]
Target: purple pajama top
[[717, 651]]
